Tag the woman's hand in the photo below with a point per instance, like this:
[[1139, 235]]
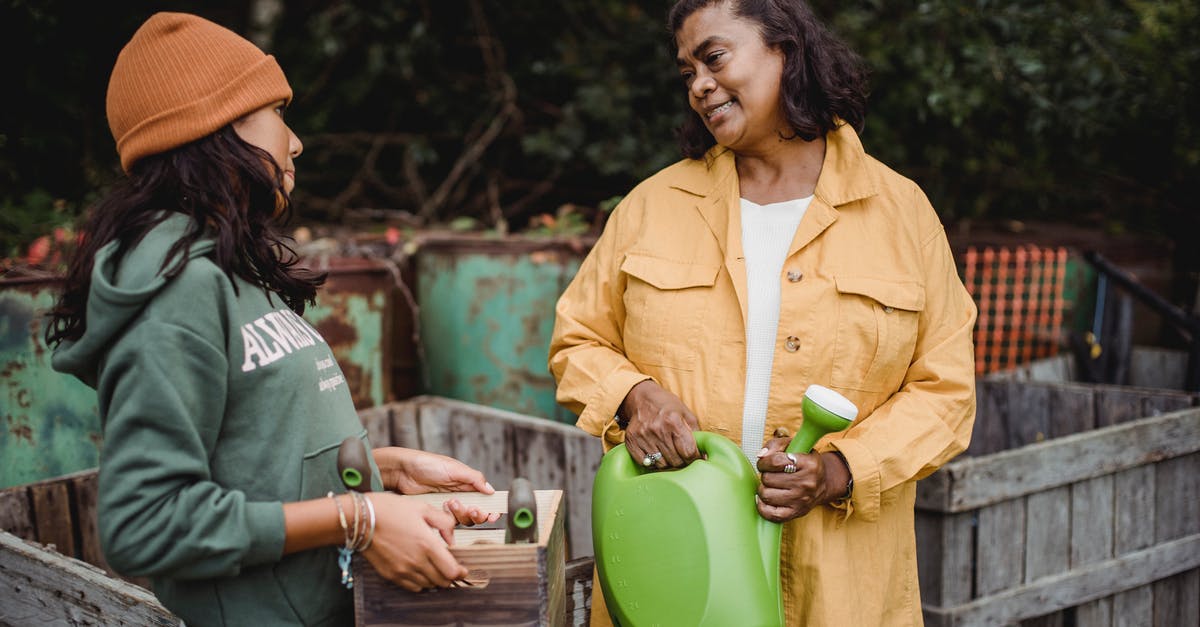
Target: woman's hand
[[660, 427], [469, 515], [411, 545], [783, 495], [410, 471]]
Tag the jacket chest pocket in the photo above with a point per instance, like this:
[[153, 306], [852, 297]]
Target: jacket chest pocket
[[665, 301], [877, 328]]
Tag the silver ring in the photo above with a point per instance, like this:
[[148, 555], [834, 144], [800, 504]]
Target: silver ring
[[651, 459], [790, 468], [791, 457]]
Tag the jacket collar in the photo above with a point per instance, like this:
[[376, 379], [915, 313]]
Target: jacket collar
[[845, 177]]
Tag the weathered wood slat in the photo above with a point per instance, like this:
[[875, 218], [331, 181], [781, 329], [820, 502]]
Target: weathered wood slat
[[578, 575], [16, 515], [433, 421], [406, 431], [487, 445], [975, 482], [378, 424], [583, 454], [1133, 508], [945, 557], [1047, 533], [52, 516], [1092, 539], [1072, 588], [1177, 514], [41, 587], [1001, 534], [1071, 409]]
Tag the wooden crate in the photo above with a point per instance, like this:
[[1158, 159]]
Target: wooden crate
[[512, 584], [504, 445], [1080, 505]]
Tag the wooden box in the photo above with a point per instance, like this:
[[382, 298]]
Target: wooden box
[[513, 584], [1076, 505]]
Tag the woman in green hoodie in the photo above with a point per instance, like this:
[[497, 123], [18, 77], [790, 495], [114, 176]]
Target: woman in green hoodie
[[222, 410]]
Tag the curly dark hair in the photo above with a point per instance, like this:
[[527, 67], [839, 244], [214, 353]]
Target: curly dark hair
[[220, 182], [823, 79]]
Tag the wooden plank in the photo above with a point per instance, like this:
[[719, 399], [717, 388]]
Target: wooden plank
[[945, 557], [1047, 533], [1177, 497], [1134, 607], [583, 455], [1117, 404], [975, 482], [999, 559], [406, 430], [1133, 500], [52, 516], [1177, 514], [486, 445], [991, 417], [1028, 421], [1175, 600], [16, 513], [1071, 410], [433, 421], [1154, 367], [1079, 585], [84, 488], [42, 587], [578, 576], [377, 421], [1092, 539], [541, 458]]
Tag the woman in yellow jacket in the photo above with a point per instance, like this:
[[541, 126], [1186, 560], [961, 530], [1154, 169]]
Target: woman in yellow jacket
[[778, 254]]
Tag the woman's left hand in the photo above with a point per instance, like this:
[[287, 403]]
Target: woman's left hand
[[469, 515], [783, 495], [409, 471]]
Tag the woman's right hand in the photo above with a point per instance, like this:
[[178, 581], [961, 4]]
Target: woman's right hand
[[659, 423], [411, 546]]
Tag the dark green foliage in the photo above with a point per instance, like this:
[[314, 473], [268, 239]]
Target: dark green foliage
[[502, 111]]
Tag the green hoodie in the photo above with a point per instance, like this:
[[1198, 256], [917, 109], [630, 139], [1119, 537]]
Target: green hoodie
[[218, 405]]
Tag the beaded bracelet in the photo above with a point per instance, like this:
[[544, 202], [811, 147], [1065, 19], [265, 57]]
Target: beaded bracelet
[[358, 533]]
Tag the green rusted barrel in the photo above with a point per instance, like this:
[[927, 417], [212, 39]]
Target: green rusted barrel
[[486, 314], [49, 423]]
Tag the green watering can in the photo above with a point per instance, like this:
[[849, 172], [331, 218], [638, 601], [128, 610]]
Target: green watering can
[[687, 546]]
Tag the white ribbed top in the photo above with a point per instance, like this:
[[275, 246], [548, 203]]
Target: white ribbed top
[[767, 232]]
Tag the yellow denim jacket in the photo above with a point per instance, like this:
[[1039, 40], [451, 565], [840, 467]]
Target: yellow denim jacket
[[873, 307]]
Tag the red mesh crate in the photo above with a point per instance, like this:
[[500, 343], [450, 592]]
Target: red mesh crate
[[1019, 292]]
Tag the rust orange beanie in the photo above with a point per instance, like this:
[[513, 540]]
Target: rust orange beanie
[[182, 77]]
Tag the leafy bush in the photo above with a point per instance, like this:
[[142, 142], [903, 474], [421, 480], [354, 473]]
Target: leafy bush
[[420, 111]]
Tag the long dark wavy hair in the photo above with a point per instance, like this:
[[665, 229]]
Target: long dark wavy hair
[[221, 184], [823, 79]]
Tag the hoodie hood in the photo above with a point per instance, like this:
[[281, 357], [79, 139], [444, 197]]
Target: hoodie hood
[[121, 288]]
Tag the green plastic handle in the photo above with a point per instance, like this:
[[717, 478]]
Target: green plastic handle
[[825, 411], [522, 513], [353, 465]]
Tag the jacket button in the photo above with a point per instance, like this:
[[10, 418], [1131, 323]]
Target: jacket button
[[793, 344], [794, 275], [888, 309]]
